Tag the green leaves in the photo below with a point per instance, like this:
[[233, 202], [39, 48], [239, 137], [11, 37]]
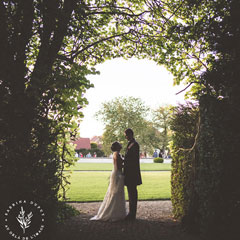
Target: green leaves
[[45, 59], [120, 114], [129, 112], [184, 126], [161, 121]]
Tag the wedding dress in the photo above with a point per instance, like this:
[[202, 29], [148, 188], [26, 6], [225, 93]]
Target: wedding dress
[[113, 207]]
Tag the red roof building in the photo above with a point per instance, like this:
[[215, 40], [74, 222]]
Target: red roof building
[[82, 143]]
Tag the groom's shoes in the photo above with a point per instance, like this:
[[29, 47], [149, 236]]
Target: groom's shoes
[[130, 218]]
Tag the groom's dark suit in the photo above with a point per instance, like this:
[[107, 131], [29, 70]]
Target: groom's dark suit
[[132, 175]]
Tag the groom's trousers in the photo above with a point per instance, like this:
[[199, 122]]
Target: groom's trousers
[[133, 197]]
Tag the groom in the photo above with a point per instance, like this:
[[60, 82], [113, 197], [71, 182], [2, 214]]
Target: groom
[[132, 173]]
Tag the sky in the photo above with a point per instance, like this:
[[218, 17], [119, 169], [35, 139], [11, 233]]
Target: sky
[[118, 77]]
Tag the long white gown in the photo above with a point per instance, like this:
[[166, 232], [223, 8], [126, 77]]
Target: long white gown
[[113, 207]]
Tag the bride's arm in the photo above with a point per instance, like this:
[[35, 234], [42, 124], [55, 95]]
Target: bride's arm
[[115, 160]]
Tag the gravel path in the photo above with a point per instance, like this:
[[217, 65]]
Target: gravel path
[[154, 221]]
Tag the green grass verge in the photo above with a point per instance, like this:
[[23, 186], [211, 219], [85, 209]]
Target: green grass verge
[[92, 186], [108, 167]]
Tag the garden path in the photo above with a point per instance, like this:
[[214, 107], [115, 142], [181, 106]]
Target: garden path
[[154, 222]]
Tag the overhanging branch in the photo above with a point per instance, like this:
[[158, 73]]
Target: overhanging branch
[[97, 42], [186, 87]]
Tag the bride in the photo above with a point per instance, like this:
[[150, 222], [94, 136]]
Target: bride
[[113, 207]]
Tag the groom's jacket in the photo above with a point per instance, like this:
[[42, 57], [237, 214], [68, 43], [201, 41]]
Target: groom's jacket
[[131, 168]]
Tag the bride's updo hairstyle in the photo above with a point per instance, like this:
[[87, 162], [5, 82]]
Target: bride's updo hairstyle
[[116, 146]]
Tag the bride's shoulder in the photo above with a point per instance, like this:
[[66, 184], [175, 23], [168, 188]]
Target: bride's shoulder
[[117, 155]]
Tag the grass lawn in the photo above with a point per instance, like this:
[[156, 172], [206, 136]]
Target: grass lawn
[[92, 186], [108, 167]]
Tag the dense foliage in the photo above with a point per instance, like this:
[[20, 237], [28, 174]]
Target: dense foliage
[[184, 124], [120, 114], [47, 48], [217, 170], [205, 195], [161, 120], [129, 112], [211, 204]]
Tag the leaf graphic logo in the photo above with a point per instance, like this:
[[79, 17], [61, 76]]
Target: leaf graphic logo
[[24, 221]]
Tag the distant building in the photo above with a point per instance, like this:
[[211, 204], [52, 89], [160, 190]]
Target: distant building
[[97, 140], [83, 147], [82, 143]]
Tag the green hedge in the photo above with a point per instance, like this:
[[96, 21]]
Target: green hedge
[[217, 170], [184, 127], [158, 160], [205, 179]]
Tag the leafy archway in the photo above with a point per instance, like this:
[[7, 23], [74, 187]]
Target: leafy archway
[[48, 48]]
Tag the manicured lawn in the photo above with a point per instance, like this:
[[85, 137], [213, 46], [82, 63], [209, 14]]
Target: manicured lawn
[[92, 186], [108, 167]]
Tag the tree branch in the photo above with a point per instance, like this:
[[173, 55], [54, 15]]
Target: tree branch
[[186, 87], [117, 13], [49, 48], [120, 12], [97, 42], [61, 28]]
